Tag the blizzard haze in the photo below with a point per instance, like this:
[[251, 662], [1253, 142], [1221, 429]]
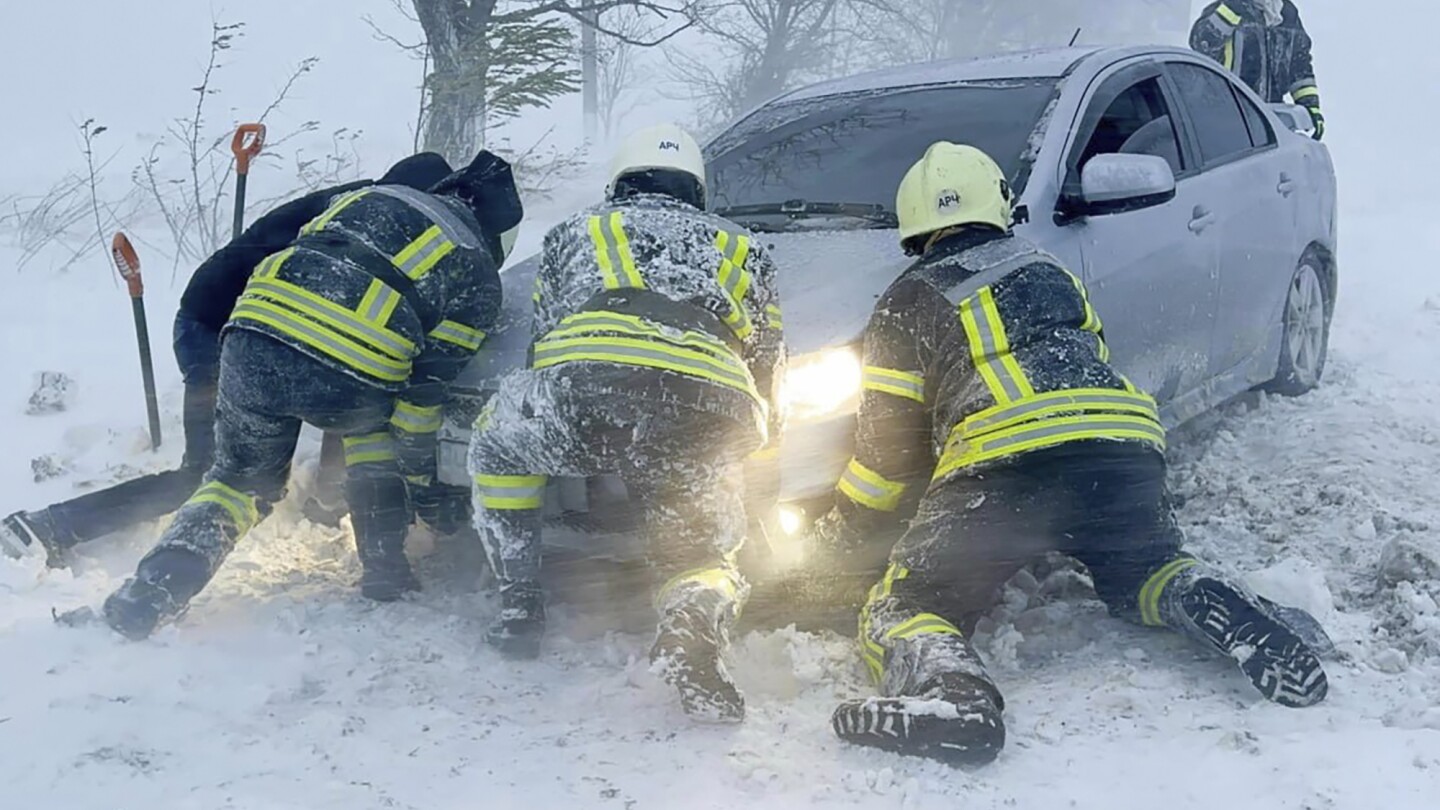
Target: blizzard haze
[[283, 689]]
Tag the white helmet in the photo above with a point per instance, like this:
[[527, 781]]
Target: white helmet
[[666, 147], [952, 185]]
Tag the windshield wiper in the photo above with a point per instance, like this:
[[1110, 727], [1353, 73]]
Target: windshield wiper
[[795, 210]]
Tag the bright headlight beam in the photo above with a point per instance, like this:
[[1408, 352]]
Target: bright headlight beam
[[822, 383]]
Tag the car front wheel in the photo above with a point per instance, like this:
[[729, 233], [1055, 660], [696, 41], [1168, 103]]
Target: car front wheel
[[1306, 340]]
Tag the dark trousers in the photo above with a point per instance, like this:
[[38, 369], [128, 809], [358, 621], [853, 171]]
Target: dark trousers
[[682, 465], [267, 390], [150, 497], [1105, 504]]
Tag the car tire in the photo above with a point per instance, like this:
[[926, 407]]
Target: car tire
[[1305, 342]]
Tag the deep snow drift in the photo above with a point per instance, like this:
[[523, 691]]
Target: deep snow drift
[[284, 690]]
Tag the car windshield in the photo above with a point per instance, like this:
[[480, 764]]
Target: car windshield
[[819, 162]]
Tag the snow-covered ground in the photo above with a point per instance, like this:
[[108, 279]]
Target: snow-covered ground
[[285, 690]]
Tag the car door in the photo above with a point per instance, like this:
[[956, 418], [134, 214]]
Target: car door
[[1251, 193], [1151, 272]]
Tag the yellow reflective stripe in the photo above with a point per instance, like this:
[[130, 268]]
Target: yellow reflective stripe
[[420, 256], [379, 303], [960, 452], [1040, 406], [511, 492], [602, 254], [735, 282], [1229, 58], [1151, 591], [990, 349], [270, 266], [419, 480], [1092, 318], [346, 200], [897, 383], [324, 340], [716, 578], [649, 354], [871, 650], [466, 337], [1304, 93], [771, 453], [348, 323], [589, 323], [775, 318], [921, 625], [535, 296], [416, 418], [374, 448], [869, 488], [622, 247], [1227, 14], [242, 508]]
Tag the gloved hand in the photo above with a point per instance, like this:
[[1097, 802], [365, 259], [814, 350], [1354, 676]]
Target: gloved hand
[[444, 508], [1319, 119]]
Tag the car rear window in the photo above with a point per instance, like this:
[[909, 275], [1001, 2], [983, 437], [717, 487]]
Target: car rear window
[[856, 148]]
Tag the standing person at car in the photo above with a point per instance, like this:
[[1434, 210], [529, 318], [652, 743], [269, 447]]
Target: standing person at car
[[1265, 44], [657, 353], [988, 399], [204, 308], [357, 328]]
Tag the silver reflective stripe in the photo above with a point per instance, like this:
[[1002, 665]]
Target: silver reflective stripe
[[876, 492], [890, 381], [435, 245], [301, 328], [380, 305], [613, 268], [692, 340], [989, 344], [517, 493], [1044, 431], [459, 334], [1119, 399], [388, 343], [993, 261], [437, 212], [557, 354]]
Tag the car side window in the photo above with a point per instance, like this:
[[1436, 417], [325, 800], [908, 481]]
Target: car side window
[[1219, 123], [1137, 122], [1261, 134]]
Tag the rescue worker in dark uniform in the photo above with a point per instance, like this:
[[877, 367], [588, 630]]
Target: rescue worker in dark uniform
[[657, 350], [204, 308], [357, 328], [1265, 44], [988, 399]]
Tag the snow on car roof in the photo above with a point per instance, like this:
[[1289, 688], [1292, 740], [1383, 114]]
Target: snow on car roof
[[1047, 63]]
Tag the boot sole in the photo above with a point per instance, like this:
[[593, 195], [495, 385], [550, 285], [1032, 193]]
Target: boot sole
[[1278, 662], [912, 727]]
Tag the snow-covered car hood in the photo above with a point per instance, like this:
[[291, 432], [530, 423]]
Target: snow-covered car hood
[[829, 281]]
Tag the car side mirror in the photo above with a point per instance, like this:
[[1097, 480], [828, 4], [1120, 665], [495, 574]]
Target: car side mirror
[[1295, 117], [1114, 184]]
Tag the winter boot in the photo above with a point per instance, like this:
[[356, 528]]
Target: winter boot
[[517, 631], [955, 718], [26, 533], [687, 655], [160, 590], [1237, 623], [381, 520]]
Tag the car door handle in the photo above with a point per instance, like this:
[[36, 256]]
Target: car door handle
[[1287, 186], [1201, 220]]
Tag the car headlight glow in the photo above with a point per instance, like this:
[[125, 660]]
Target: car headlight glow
[[823, 383]]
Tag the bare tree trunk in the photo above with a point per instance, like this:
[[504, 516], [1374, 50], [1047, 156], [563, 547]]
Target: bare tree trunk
[[590, 72], [455, 30]]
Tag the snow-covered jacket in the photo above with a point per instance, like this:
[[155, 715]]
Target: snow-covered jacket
[[392, 286], [652, 283], [1272, 58], [984, 350]]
